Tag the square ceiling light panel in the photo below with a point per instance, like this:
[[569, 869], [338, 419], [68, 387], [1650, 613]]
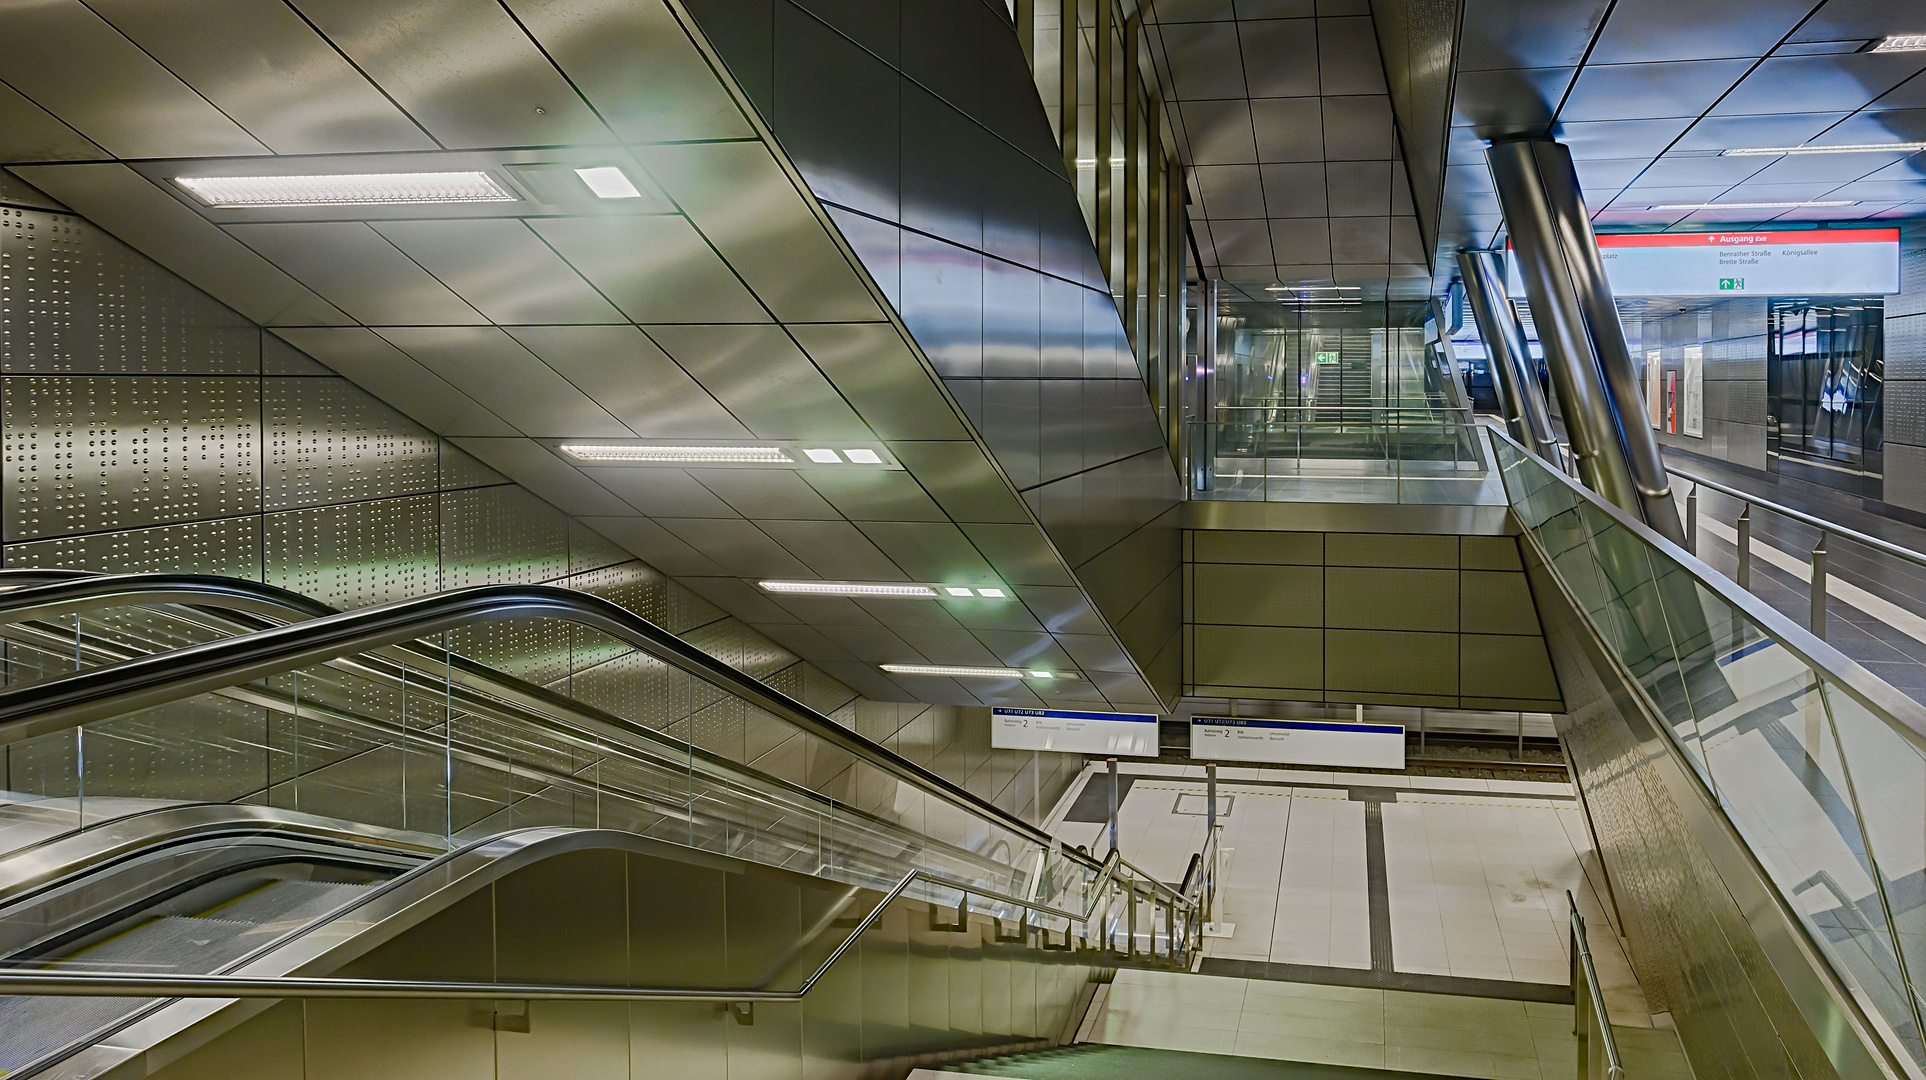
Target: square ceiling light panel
[[356, 189]]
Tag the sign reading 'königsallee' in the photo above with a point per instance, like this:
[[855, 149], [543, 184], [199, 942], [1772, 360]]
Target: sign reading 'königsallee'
[[1109, 734], [1805, 262]]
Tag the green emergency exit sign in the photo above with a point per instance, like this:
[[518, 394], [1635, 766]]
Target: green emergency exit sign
[[1327, 358], [1729, 284]]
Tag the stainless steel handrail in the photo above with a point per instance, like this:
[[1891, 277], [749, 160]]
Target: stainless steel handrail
[[1905, 716], [129, 984], [1586, 990], [1885, 547], [154, 680]]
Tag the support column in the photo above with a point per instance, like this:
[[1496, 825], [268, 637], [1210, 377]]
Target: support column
[[1512, 368], [1133, 89], [1179, 303], [1106, 90], [1069, 53], [1572, 306], [1203, 394]]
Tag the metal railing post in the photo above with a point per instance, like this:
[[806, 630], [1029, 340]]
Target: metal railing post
[[1113, 804], [1744, 576], [1692, 520], [1819, 588]]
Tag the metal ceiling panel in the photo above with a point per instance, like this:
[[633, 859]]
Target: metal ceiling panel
[[71, 63], [1591, 140], [1649, 31], [1641, 91], [1359, 129], [153, 222], [1281, 57], [1294, 190], [873, 368], [1347, 57], [962, 481], [1510, 101], [503, 269], [764, 379], [1230, 191], [825, 610], [1359, 188], [1811, 168], [948, 645], [464, 71], [1889, 125], [1177, 11], [741, 549], [533, 466], [1820, 83], [31, 133], [632, 378], [739, 598], [1062, 611], [766, 493], [1205, 61], [358, 271], [637, 67], [270, 72], [395, 377], [507, 379], [836, 550], [1287, 129], [1301, 240], [660, 492], [655, 268], [1674, 169], [1026, 649], [1095, 652], [1785, 129], [1220, 131], [930, 551], [1245, 241], [874, 645], [655, 545], [1539, 33], [750, 211], [1844, 20], [879, 495]]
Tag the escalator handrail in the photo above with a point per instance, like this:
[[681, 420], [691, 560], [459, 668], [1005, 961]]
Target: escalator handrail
[[99, 693], [91, 591], [132, 984]]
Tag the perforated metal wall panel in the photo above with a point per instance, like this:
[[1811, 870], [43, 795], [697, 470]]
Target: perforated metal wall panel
[[230, 547], [81, 301], [355, 554], [499, 535], [459, 469], [588, 549], [328, 441], [91, 454]]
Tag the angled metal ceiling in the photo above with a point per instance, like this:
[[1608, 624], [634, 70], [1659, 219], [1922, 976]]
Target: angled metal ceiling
[[1647, 94], [721, 304], [1284, 118]]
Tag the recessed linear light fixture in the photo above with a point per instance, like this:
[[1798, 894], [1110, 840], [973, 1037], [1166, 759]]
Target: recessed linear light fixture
[[1901, 43], [1855, 148], [975, 672], [776, 454], [880, 589], [681, 455], [609, 182], [1753, 205], [1313, 288], [364, 189]]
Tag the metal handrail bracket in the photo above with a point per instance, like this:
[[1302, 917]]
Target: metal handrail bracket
[[1590, 1020]]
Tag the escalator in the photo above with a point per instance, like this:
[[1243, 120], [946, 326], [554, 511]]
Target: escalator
[[220, 796]]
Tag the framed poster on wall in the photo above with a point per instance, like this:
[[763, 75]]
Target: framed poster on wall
[[1654, 364], [1672, 402], [1694, 391]]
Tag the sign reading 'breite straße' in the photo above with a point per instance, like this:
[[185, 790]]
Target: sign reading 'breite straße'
[[1810, 262]]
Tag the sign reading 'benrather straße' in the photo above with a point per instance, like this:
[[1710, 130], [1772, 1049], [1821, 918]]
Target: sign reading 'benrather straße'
[[1790, 262], [1109, 734]]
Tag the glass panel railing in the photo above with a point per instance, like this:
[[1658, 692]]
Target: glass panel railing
[[1826, 789], [1364, 454]]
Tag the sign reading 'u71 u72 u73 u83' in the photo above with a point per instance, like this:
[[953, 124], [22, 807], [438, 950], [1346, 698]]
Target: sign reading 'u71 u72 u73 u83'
[[1297, 742], [1110, 734]]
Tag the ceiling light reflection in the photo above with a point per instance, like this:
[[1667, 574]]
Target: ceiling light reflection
[[367, 189]]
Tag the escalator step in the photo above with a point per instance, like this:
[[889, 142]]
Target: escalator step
[[288, 904]]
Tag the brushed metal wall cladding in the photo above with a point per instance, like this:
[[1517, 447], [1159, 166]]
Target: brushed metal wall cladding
[[328, 441], [96, 453], [500, 535], [1698, 955], [1905, 346], [1905, 480], [1906, 413], [230, 547], [356, 554], [78, 300]]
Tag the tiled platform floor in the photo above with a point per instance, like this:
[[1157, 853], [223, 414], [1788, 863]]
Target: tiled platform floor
[[1475, 877], [1335, 1025]]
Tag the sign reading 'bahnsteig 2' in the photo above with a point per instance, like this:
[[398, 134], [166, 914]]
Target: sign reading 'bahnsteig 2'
[[1109, 734], [1786, 262], [1297, 742]]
